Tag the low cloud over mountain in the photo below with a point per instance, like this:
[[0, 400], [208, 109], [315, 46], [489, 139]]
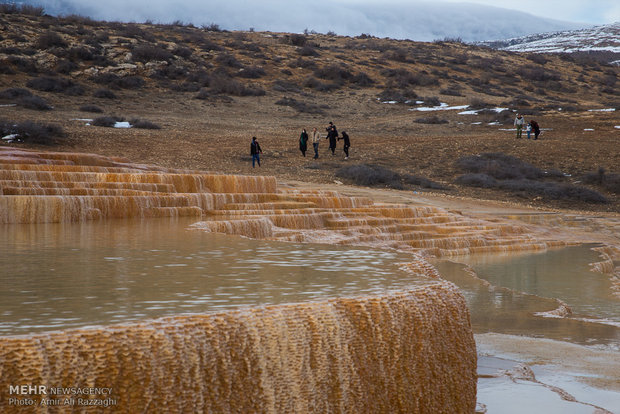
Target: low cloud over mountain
[[422, 20]]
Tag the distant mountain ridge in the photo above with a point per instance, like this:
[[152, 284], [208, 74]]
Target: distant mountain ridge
[[420, 21], [605, 38]]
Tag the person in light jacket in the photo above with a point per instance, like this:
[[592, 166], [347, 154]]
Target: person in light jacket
[[316, 138], [519, 121]]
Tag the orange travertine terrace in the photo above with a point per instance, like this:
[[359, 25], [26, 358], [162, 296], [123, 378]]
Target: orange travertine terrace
[[411, 351]]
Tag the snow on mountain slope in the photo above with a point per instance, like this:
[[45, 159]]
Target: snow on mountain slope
[[594, 39]]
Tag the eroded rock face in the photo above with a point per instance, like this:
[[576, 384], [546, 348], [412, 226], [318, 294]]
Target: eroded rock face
[[407, 352]]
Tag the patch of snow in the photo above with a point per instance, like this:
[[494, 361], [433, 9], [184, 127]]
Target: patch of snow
[[390, 102], [602, 110], [82, 119], [617, 127], [476, 123], [10, 137], [498, 110], [493, 123], [123, 124], [588, 129]]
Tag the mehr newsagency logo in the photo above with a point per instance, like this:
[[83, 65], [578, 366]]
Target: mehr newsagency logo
[[43, 395]]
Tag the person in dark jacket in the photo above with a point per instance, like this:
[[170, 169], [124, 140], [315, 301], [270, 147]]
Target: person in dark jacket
[[303, 142], [347, 144], [536, 128], [255, 151], [332, 136]]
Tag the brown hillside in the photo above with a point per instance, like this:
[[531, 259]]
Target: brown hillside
[[210, 91]]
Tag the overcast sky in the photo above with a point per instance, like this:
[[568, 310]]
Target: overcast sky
[[582, 11], [422, 20]]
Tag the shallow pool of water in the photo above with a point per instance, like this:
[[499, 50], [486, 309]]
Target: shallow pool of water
[[512, 293], [56, 276]]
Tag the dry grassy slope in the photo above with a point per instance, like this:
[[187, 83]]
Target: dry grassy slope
[[214, 133]]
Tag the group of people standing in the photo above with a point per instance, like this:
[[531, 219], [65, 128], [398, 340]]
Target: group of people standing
[[332, 136], [531, 126]]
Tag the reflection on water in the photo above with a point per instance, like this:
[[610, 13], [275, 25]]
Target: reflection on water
[[56, 276], [523, 285]]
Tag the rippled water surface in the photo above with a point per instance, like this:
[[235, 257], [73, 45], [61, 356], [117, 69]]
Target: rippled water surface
[[57, 276]]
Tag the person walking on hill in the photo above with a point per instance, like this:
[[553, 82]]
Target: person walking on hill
[[303, 142], [332, 136], [255, 150], [316, 137], [347, 144], [536, 128], [519, 121]]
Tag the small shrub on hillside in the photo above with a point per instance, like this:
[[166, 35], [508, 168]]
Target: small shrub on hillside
[[52, 84], [12, 93], [535, 73], [107, 121], [477, 180], [173, 72], [537, 58], [610, 182], [422, 182], [308, 50], [80, 53], [23, 65], [285, 86], [431, 101], [207, 45], [91, 108], [130, 82], [65, 67], [433, 119], [33, 132], [451, 91], [26, 9], [370, 175], [302, 63], [362, 79], [185, 87], [477, 103], [402, 78], [143, 124], [228, 60], [50, 39], [129, 30], [7, 70], [147, 53], [295, 39], [183, 52], [212, 27], [554, 191], [317, 85], [104, 94], [251, 72], [333, 73], [302, 106], [223, 85], [499, 166], [407, 96], [34, 102]]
